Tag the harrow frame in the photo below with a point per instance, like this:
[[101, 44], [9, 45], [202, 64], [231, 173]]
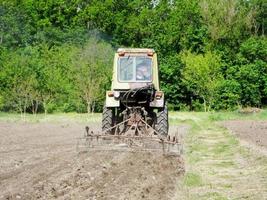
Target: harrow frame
[[136, 135]]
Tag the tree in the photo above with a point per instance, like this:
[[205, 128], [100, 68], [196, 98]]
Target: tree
[[201, 74], [46, 41], [251, 71], [227, 95], [93, 67], [55, 77], [15, 29], [226, 18], [20, 82], [171, 81]]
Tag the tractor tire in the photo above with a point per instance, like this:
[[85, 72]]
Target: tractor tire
[[107, 119], [162, 126]]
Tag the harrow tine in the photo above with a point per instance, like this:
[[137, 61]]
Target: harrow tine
[[139, 135], [100, 142]]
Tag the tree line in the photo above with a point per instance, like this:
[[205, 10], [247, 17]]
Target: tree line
[[57, 55]]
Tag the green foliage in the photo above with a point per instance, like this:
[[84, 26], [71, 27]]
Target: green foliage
[[212, 54], [226, 19], [201, 75], [14, 27], [1, 102], [170, 69], [251, 71], [92, 71], [46, 79], [255, 48], [227, 95]]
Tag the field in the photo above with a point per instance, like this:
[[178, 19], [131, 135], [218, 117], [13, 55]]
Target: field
[[224, 158]]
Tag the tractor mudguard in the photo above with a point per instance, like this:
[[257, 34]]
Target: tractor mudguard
[[111, 101]]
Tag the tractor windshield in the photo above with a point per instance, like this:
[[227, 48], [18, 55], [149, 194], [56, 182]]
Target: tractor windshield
[[135, 69]]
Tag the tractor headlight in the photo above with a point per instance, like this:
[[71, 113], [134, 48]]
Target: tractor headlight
[[116, 94], [158, 94]]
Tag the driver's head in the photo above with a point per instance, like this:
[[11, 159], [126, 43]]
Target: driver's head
[[143, 72]]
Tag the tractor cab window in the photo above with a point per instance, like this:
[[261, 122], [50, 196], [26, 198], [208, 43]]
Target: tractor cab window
[[135, 69], [143, 69], [126, 70]]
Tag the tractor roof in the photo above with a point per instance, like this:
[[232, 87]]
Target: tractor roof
[[135, 50]]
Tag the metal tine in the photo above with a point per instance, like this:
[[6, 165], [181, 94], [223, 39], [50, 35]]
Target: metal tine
[[92, 140], [132, 145]]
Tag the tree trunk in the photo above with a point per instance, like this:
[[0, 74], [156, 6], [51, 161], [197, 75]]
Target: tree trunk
[[21, 109], [32, 105], [24, 110], [36, 107], [88, 107], [93, 107], [205, 104], [45, 107], [21, 113]]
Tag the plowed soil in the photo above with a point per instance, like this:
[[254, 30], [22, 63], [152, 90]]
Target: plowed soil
[[251, 131], [40, 161]]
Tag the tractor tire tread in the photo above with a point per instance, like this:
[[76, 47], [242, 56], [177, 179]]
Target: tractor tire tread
[[107, 118], [162, 122]]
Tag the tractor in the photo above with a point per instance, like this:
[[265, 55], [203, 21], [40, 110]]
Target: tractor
[[135, 94], [135, 112]]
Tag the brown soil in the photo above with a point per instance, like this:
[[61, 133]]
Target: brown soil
[[40, 161], [249, 130]]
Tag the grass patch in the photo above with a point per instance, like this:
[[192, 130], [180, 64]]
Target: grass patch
[[222, 149], [235, 115], [198, 147], [192, 179], [193, 159], [213, 196], [175, 118], [225, 164], [57, 117], [222, 165]]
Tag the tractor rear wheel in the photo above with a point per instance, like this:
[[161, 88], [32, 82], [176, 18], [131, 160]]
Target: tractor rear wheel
[[107, 119], [162, 125]]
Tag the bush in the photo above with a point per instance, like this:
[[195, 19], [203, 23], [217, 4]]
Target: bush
[[227, 95]]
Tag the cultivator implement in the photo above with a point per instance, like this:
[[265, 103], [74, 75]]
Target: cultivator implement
[[132, 134]]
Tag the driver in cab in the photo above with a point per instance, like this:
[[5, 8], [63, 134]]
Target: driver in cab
[[143, 73]]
